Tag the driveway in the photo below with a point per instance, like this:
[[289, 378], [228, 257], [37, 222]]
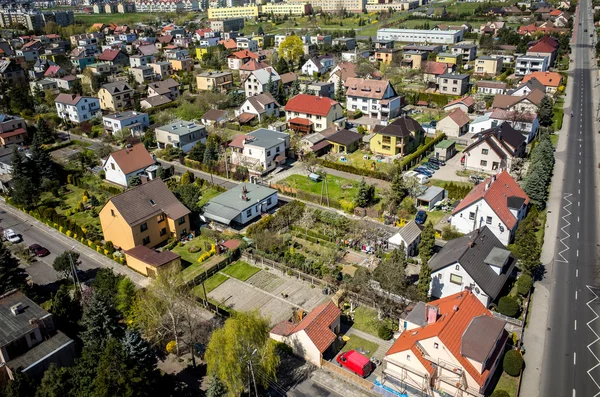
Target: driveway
[[448, 171]]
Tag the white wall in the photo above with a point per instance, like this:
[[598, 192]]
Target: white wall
[[441, 286], [256, 209], [464, 224], [114, 173]]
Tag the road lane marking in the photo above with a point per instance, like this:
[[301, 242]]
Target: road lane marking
[[567, 235], [577, 235], [574, 358], [578, 253], [595, 340], [576, 272]]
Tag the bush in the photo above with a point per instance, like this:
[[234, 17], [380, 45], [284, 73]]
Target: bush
[[513, 363], [283, 349], [508, 306], [524, 284], [500, 393], [450, 233], [421, 151], [384, 332], [193, 249]]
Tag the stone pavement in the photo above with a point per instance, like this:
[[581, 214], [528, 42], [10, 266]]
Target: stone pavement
[[100, 259], [333, 385]]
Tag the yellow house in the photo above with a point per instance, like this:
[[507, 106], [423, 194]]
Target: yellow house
[[148, 215], [488, 65], [403, 137], [186, 64], [250, 11], [201, 51], [149, 262], [452, 59]]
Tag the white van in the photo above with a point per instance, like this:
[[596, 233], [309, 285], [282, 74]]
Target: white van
[[422, 179]]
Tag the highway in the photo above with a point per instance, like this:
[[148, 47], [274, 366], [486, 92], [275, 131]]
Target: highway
[[570, 365]]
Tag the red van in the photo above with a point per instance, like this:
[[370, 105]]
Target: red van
[[356, 362]]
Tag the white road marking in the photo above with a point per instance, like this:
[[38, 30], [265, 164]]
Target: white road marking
[[580, 170], [574, 358], [594, 341], [576, 272], [577, 235], [578, 203], [580, 160], [573, 392], [567, 235], [578, 253]]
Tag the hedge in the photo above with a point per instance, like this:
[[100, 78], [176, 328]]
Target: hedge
[[439, 99], [524, 284], [508, 306], [62, 145], [421, 150], [513, 363], [312, 233]]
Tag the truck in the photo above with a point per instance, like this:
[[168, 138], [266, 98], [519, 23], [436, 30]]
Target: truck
[[10, 235], [356, 362]]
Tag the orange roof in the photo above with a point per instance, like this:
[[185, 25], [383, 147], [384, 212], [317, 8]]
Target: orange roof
[[243, 54], [316, 325], [548, 79], [468, 101], [229, 44], [253, 64], [133, 159], [310, 104], [449, 328], [496, 190], [542, 47], [555, 13]]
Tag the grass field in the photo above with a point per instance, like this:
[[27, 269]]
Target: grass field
[[119, 19], [339, 188], [241, 270], [356, 342], [508, 384], [192, 257], [210, 284], [356, 160], [557, 116], [365, 319], [207, 195]]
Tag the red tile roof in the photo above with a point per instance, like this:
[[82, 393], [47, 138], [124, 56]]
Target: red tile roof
[[52, 70], [18, 131], [316, 325], [467, 101], [548, 79], [455, 315], [435, 68], [496, 190], [555, 13], [109, 55], [132, 159], [243, 54], [542, 47], [253, 64], [300, 121], [229, 44], [238, 141], [310, 104]]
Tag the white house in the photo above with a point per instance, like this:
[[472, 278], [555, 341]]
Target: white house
[[75, 108], [262, 105], [137, 122], [498, 203], [261, 150], [138, 60], [455, 124], [526, 64], [374, 98], [490, 87], [319, 65], [240, 205], [125, 163], [308, 113], [408, 237], [494, 149], [180, 134], [257, 81], [244, 43], [478, 261], [527, 123]]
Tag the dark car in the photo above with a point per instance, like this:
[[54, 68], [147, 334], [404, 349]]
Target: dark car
[[38, 250], [431, 166], [437, 161], [421, 217], [424, 171]]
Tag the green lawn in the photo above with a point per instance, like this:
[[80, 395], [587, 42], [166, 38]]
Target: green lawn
[[365, 319], [210, 284], [339, 188], [357, 160], [120, 19], [356, 342], [208, 194], [440, 183], [557, 117], [241, 270], [554, 139], [508, 384], [192, 257]]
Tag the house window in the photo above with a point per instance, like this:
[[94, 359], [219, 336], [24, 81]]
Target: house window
[[163, 231], [457, 267], [249, 212], [112, 165], [456, 279], [181, 220], [146, 240], [408, 357], [471, 215], [484, 151], [269, 201], [143, 227], [268, 152], [483, 163], [488, 220], [385, 147], [436, 345], [112, 212], [277, 149], [161, 218], [318, 125]]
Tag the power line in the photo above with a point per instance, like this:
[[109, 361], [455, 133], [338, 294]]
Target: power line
[[274, 385]]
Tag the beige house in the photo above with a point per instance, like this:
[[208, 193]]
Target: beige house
[[455, 124], [488, 65], [162, 69], [495, 149], [310, 335], [115, 96], [219, 81], [453, 83], [414, 59], [308, 113], [149, 262], [452, 345]]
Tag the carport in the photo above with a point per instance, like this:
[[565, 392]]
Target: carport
[[432, 195]]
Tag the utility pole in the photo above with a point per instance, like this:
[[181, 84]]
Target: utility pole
[[253, 380], [74, 271]]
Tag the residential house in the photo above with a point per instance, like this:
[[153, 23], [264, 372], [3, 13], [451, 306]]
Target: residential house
[[76, 108], [121, 165], [527, 87], [66, 82], [408, 238], [494, 149], [114, 57], [453, 84], [11, 73], [13, 130], [477, 262], [140, 60], [432, 70], [488, 65], [490, 87], [162, 69], [374, 98], [154, 101], [259, 106], [150, 262], [102, 68], [454, 124], [319, 65], [318, 88], [214, 117], [453, 345], [315, 143], [529, 103], [249, 67], [29, 340], [310, 335], [491, 27], [527, 123], [449, 59], [341, 73], [215, 81], [185, 64], [142, 74], [116, 96], [308, 113], [414, 59], [346, 43], [148, 214], [344, 141], [526, 64], [261, 150], [168, 88], [387, 55], [498, 203], [550, 80], [137, 122], [258, 81], [240, 205], [467, 50], [236, 59], [244, 43], [544, 49], [466, 104], [401, 137], [180, 134]]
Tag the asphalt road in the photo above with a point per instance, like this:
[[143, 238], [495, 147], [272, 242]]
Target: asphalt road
[[570, 367]]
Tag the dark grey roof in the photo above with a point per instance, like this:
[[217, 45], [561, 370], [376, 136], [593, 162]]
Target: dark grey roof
[[226, 206], [345, 137], [48, 347], [410, 232], [515, 202], [480, 338], [13, 327], [400, 127], [116, 87], [470, 251], [417, 315], [497, 257], [454, 76]]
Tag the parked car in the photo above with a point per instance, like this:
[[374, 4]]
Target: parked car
[[38, 250], [421, 217], [437, 161], [424, 171], [431, 166], [356, 362], [11, 236]]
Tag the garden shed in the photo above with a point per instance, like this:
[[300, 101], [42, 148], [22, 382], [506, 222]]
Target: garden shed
[[432, 195], [445, 150]]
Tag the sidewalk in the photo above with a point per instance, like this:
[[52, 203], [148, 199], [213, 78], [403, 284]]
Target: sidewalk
[[101, 260], [534, 337]]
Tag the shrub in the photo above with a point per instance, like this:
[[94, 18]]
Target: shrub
[[192, 249], [508, 306], [524, 284], [283, 349], [384, 332], [110, 247], [513, 362], [500, 393], [450, 233]]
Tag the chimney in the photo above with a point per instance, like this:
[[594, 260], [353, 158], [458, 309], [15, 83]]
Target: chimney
[[432, 313], [16, 309]]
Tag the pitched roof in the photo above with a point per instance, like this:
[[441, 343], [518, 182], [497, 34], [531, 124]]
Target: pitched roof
[[152, 257], [243, 55], [400, 127], [262, 75], [164, 86], [253, 64], [132, 159], [156, 100], [316, 325], [117, 87], [456, 313], [410, 232], [547, 79], [108, 55], [501, 114], [147, 200], [480, 337], [345, 137], [310, 104], [496, 190], [346, 70], [367, 88], [260, 101], [472, 252], [213, 114], [508, 101], [459, 117], [436, 68], [70, 99], [490, 84], [468, 101], [541, 47], [229, 44], [288, 77], [502, 136]]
